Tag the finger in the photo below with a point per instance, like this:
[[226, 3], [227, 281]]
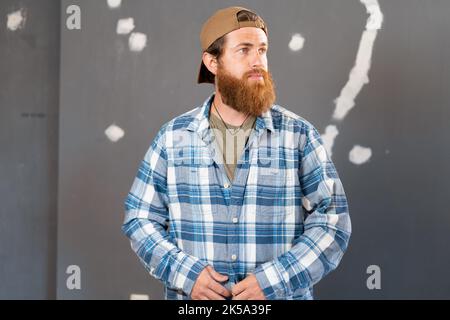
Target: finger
[[244, 295], [217, 276], [203, 297], [239, 287], [216, 287], [213, 295]]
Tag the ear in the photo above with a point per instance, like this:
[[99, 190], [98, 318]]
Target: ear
[[210, 62]]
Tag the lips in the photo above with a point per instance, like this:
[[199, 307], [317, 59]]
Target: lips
[[255, 75]]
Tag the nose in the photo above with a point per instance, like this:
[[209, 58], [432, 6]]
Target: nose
[[257, 60]]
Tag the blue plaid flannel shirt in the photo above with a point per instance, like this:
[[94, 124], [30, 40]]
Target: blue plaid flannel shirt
[[284, 218]]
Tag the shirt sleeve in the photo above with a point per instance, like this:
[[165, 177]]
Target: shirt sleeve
[[146, 223], [327, 226]]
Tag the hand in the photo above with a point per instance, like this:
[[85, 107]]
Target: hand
[[248, 289], [208, 287]]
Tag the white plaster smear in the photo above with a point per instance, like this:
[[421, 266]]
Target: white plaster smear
[[359, 74], [137, 41], [16, 20], [328, 138], [137, 296], [297, 42], [113, 4], [359, 155], [114, 133], [125, 26]]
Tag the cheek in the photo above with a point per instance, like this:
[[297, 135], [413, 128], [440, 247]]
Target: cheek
[[265, 62], [237, 67], [237, 73], [237, 70]]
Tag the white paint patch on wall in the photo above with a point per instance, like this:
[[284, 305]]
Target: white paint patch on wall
[[359, 155], [137, 296], [137, 41], [114, 4], [376, 16], [328, 138], [114, 133], [125, 26], [359, 74], [297, 42], [16, 20]]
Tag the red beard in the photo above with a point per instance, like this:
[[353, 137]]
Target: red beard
[[246, 95]]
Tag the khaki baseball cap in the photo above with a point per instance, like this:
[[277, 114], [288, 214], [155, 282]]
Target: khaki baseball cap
[[219, 24]]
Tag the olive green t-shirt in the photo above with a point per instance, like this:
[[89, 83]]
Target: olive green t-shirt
[[234, 143]]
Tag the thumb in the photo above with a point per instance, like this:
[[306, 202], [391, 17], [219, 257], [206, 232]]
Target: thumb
[[216, 276]]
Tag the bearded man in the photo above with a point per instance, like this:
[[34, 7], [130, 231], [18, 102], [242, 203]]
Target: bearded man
[[237, 198]]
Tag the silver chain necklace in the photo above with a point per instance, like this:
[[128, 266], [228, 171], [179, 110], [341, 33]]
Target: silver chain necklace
[[228, 129]]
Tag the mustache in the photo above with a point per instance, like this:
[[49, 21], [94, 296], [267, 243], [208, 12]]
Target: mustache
[[256, 71]]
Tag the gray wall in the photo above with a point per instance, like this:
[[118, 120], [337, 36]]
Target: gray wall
[[397, 199], [29, 84]]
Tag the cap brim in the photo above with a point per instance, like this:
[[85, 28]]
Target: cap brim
[[204, 76]]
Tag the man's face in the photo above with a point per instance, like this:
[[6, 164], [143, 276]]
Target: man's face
[[245, 49], [242, 75]]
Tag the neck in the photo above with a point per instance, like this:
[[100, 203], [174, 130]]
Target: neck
[[228, 113]]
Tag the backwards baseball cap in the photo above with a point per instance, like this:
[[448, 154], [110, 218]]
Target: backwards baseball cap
[[219, 24]]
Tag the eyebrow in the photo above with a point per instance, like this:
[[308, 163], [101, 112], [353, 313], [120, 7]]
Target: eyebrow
[[248, 44]]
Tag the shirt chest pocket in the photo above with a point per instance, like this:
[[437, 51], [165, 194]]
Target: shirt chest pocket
[[270, 176], [269, 172], [276, 195], [194, 194], [199, 177], [186, 179]]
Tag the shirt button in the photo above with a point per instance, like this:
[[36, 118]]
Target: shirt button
[[233, 257], [226, 185], [235, 220]]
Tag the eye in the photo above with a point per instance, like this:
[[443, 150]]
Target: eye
[[262, 50], [243, 50]]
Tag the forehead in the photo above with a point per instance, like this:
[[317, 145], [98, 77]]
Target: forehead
[[248, 34]]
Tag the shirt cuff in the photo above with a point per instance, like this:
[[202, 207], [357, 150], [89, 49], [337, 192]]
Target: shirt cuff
[[273, 280], [190, 278]]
